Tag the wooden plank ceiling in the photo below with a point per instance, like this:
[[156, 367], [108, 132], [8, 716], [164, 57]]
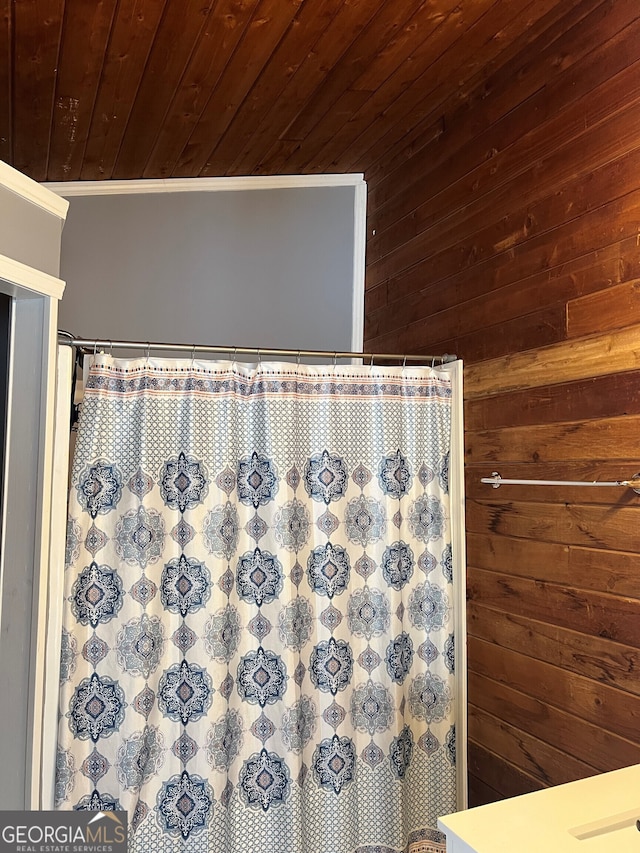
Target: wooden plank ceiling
[[125, 89]]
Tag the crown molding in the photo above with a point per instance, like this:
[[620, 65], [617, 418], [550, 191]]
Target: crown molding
[[68, 189], [32, 191]]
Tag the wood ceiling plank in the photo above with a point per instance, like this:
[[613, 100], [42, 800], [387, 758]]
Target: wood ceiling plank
[[268, 25], [227, 23], [403, 47], [78, 78], [396, 105], [37, 31], [131, 40], [389, 20], [493, 128], [6, 81], [173, 46], [413, 133], [334, 42], [297, 43], [291, 163], [431, 60]]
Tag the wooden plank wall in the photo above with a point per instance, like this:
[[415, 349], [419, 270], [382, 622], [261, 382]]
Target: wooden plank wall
[[509, 233]]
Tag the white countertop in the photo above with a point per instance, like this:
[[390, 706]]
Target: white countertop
[[579, 816]]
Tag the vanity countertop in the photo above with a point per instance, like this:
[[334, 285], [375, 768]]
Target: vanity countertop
[[594, 815]]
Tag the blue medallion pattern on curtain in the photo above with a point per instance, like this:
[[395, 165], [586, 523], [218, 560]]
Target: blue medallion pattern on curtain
[[257, 647]]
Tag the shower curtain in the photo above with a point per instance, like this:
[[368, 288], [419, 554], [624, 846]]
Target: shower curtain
[[257, 648]]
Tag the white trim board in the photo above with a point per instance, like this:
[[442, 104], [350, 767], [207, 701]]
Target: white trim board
[[40, 283], [181, 185], [33, 192]]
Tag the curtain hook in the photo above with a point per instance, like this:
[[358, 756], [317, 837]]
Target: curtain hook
[[259, 357], [404, 362], [371, 361], [433, 363], [148, 351], [298, 357], [95, 348], [335, 359], [111, 348], [193, 354]]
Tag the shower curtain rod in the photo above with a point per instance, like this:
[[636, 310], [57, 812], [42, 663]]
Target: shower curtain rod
[[496, 481], [95, 345]]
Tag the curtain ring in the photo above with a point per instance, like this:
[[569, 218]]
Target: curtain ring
[[433, 363]]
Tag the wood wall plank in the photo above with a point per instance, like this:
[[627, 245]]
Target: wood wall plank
[[598, 311], [599, 614], [598, 355], [561, 699], [597, 658], [607, 527], [590, 742], [595, 397], [502, 777], [616, 438], [545, 763], [510, 235]]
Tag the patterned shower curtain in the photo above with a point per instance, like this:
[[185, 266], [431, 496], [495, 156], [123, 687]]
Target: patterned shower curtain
[[257, 646]]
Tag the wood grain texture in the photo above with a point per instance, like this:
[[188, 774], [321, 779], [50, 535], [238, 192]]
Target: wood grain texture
[[590, 742], [560, 700], [499, 775], [175, 40], [597, 658], [538, 759], [598, 614], [598, 355], [510, 235], [77, 84], [37, 27], [129, 46]]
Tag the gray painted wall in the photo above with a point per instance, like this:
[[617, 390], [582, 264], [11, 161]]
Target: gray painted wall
[[266, 268], [28, 233]]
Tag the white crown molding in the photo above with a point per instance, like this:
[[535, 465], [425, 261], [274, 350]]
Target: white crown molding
[[180, 185], [41, 283], [32, 191]]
